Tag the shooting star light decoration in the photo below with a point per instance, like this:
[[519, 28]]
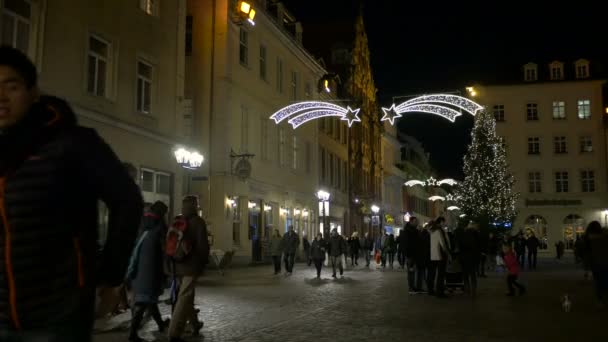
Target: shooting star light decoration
[[445, 105], [436, 198], [302, 112], [431, 182]]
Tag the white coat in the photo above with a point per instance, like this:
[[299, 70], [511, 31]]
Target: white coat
[[438, 244]]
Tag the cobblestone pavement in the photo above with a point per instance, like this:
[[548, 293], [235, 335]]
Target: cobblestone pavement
[[251, 304]]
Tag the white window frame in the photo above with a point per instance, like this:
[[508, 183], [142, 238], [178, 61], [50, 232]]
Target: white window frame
[[560, 145], [559, 110], [146, 84], [530, 74], [556, 71], [561, 181], [498, 112], [97, 57], [18, 19], [533, 145], [154, 195], [586, 144], [150, 7], [587, 180], [584, 109], [532, 112]]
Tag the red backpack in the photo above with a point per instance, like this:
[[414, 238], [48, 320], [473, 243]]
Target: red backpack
[[177, 245]]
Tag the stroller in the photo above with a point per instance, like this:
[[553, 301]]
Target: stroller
[[454, 279]]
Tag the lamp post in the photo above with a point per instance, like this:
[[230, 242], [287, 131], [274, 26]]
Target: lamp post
[[376, 210], [189, 160], [323, 197]]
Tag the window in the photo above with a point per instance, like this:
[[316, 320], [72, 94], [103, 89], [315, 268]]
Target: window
[[16, 24], [263, 70], [281, 146], [149, 6], [559, 110], [236, 221], [534, 145], [556, 70], [586, 144], [584, 109], [587, 181], [532, 111], [581, 71], [189, 35], [534, 182], [294, 147], [561, 181], [294, 85], [499, 113], [559, 144], [279, 75], [244, 128], [144, 87], [530, 72], [308, 90], [264, 138], [99, 51], [308, 152], [244, 47], [156, 186]]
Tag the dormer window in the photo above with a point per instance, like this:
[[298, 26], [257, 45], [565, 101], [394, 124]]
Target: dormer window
[[556, 70], [530, 72], [582, 68]]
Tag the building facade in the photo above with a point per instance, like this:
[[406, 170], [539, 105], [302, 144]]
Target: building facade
[[553, 123], [122, 75], [259, 176]]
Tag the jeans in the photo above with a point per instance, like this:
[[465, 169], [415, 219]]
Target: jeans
[[289, 259], [276, 260], [336, 261], [437, 269], [469, 273], [481, 269], [401, 258], [318, 266], [512, 280], [521, 258], [184, 307], [421, 272], [391, 258], [411, 273], [368, 258], [532, 259]]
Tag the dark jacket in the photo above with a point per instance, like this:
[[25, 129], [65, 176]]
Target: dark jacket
[[291, 241], [411, 239], [493, 245], [520, 245], [194, 263], [317, 250], [148, 281], [276, 246], [391, 245], [354, 244], [424, 252], [52, 175], [305, 244], [367, 244], [469, 248], [598, 250], [533, 244], [336, 246]]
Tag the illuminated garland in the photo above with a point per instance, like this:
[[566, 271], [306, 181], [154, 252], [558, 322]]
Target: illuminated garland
[[444, 105], [302, 112], [431, 182], [436, 198]]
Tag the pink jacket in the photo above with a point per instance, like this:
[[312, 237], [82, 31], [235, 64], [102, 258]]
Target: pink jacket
[[511, 263]]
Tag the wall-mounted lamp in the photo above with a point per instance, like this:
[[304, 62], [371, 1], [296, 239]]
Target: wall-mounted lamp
[[297, 211], [252, 205], [246, 11], [267, 207]]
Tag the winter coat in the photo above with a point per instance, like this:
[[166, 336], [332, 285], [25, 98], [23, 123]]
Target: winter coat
[[336, 246], [317, 250], [305, 244], [149, 276], [355, 245], [290, 243], [511, 263], [424, 252], [276, 246], [598, 250], [533, 244], [520, 245], [411, 239], [194, 263], [440, 245], [391, 245], [367, 244], [381, 242], [469, 246], [52, 175]]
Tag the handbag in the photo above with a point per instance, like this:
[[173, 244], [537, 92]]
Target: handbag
[[378, 258]]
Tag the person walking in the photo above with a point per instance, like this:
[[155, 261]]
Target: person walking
[[391, 250], [401, 248], [53, 173], [306, 246], [336, 247], [596, 244], [146, 269], [484, 237], [532, 243], [520, 249], [290, 247], [355, 246], [423, 257], [276, 250], [440, 253], [367, 246], [492, 251], [381, 242], [186, 265], [469, 253], [409, 244], [317, 253], [512, 265]]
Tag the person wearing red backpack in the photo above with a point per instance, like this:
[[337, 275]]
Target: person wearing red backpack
[[187, 255]]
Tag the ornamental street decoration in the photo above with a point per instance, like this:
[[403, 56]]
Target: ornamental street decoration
[[447, 106], [431, 182], [300, 113]]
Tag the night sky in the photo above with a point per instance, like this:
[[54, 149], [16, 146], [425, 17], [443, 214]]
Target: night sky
[[428, 46]]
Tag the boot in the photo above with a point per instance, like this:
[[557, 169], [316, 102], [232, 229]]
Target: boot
[[138, 315]]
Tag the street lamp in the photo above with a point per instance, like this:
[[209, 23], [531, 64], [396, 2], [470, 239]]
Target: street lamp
[[189, 160], [246, 11], [323, 197]]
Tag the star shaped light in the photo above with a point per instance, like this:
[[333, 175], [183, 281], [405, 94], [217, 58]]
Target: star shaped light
[[351, 116], [431, 181], [449, 197], [390, 114]]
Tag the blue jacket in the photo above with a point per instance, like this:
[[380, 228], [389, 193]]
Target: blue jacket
[[149, 275]]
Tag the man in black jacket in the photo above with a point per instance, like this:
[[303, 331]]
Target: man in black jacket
[[291, 242], [335, 248], [367, 245], [52, 174], [411, 244]]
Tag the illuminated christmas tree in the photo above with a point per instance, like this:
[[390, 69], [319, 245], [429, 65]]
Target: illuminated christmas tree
[[486, 195]]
